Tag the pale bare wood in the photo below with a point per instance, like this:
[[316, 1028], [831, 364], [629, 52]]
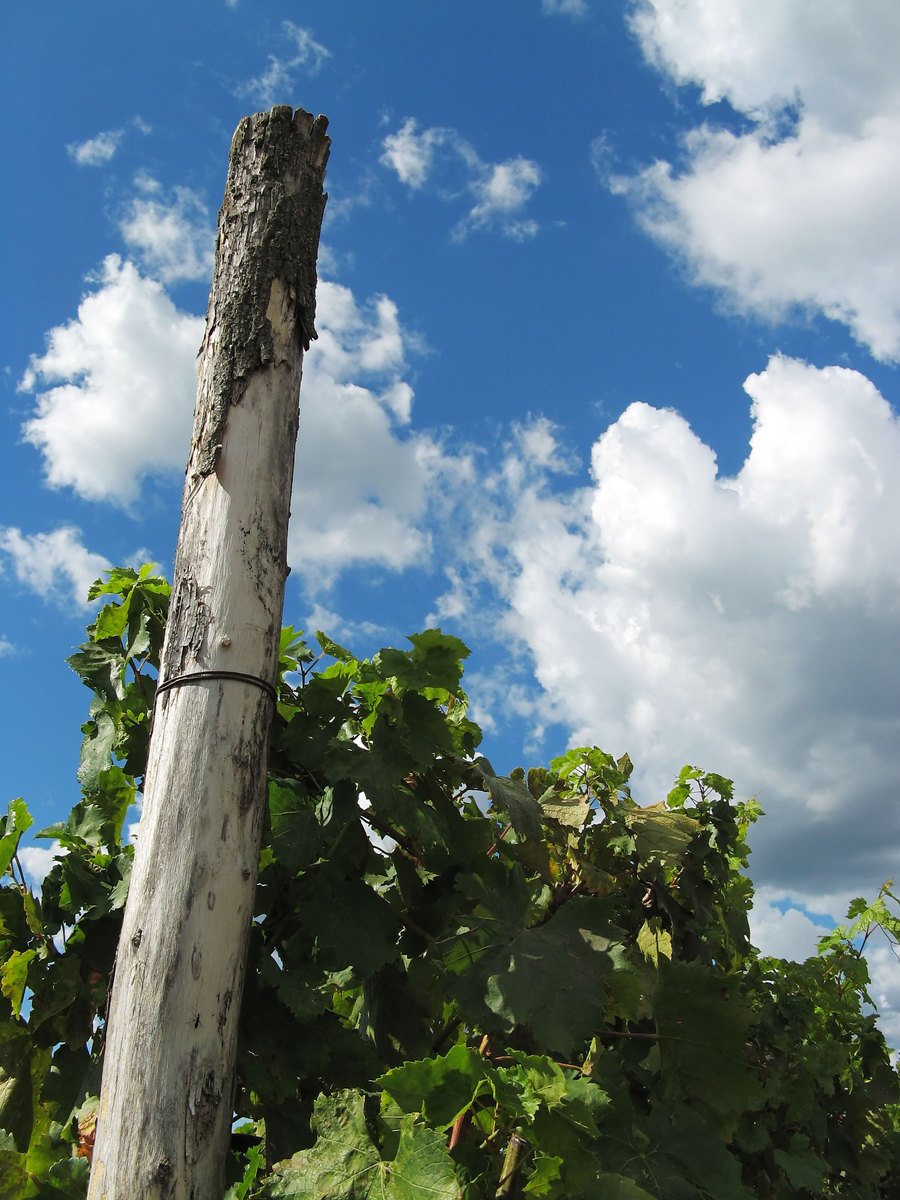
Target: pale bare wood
[[168, 1078]]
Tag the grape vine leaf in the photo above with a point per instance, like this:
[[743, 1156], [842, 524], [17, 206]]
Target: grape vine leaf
[[554, 978], [439, 1088]]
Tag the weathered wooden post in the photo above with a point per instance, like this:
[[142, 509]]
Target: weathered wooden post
[[166, 1100]]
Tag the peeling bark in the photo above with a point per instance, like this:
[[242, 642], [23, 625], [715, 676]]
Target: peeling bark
[[168, 1079]]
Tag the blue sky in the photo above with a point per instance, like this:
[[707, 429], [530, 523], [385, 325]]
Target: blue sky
[[606, 379]]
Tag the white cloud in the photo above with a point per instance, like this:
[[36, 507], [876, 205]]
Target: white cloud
[[115, 388], [780, 930], [37, 861], [115, 394], [96, 151], [567, 8], [55, 565], [837, 60], [363, 487], [500, 190], [505, 189], [174, 237], [798, 210], [6, 647], [747, 624], [275, 84], [411, 154]]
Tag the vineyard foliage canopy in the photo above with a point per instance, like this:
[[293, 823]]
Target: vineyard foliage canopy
[[460, 984]]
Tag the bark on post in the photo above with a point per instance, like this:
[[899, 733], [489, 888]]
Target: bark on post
[[166, 1100]]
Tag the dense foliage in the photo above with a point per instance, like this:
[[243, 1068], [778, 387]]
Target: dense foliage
[[460, 984]]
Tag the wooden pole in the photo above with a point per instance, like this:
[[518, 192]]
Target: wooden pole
[[168, 1076]]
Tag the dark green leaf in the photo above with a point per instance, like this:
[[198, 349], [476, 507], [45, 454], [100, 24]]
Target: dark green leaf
[[703, 1024], [554, 979], [296, 834], [511, 796]]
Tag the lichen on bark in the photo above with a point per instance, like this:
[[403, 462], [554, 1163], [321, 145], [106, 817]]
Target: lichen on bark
[[274, 201]]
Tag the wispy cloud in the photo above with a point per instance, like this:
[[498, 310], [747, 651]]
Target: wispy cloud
[[276, 82], [502, 193], [100, 149], [95, 151], [566, 8], [501, 190]]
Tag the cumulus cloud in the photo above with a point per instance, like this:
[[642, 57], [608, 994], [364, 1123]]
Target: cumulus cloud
[[506, 189], [95, 151], [114, 389], [6, 647], [411, 154], [500, 191], [745, 624], [37, 861], [55, 565], [275, 84], [784, 931], [173, 235], [114, 401], [364, 485], [797, 211]]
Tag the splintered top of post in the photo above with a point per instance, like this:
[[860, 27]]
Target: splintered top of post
[[274, 194], [269, 226]]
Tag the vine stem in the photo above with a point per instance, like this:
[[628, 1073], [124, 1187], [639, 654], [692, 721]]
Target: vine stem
[[512, 1161]]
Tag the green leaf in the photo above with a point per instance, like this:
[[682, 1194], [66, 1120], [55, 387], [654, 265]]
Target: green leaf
[[344, 1164], [545, 1181], [96, 748], [620, 1187], [13, 1175], [537, 1077], [702, 1025], [570, 811], [803, 1167], [14, 976], [661, 834], [16, 1096], [654, 941], [13, 825], [119, 582], [354, 929], [685, 1151], [439, 1088], [422, 1169], [554, 979], [435, 661], [101, 667], [512, 797], [296, 834], [66, 1180], [334, 650]]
